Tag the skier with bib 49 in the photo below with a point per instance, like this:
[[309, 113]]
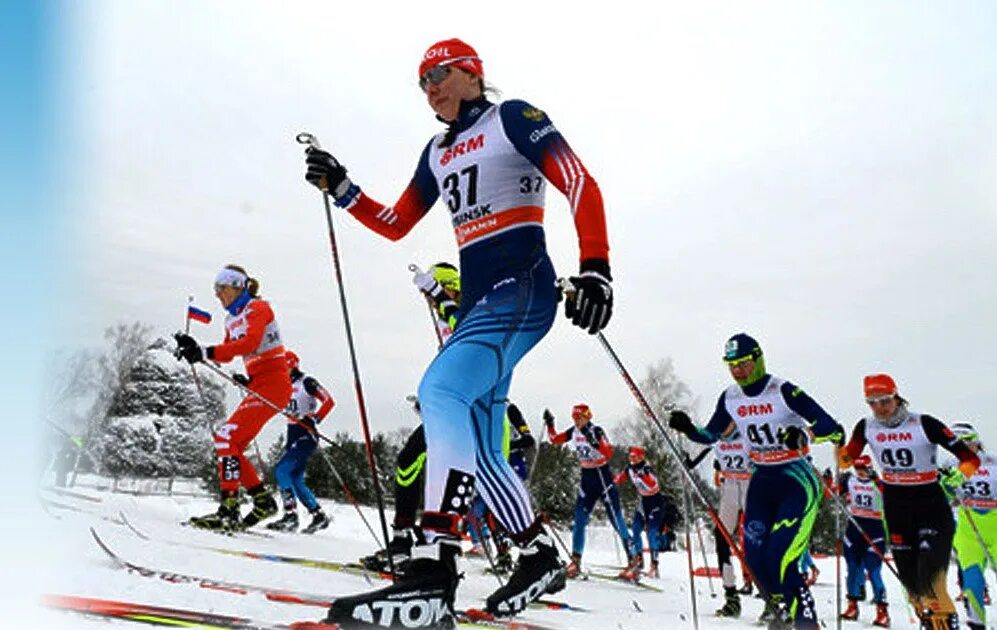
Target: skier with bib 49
[[310, 404], [784, 493], [491, 166], [904, 444]]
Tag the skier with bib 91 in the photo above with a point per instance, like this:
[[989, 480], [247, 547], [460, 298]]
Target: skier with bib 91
[[491, 167], [784, 493]]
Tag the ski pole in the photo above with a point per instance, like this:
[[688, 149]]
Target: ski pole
[[837, 552], [687, 501], [706, 561], [851, 518], [313, 143], [699, 535], [557, 537], [566, 285], [615, 518], [432, 315], [314, 432], [479, 530]]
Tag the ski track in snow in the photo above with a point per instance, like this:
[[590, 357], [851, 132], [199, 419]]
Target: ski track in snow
[[89, 572]]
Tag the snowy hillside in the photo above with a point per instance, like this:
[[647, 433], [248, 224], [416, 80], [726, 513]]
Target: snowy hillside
[[156, 541]]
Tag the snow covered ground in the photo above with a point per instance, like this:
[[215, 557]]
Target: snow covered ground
[[85, 570]]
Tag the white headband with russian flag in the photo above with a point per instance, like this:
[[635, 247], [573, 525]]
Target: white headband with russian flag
[[231, 278]]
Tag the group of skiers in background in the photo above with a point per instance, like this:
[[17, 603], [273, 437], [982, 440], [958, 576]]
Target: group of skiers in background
[[491, 166]]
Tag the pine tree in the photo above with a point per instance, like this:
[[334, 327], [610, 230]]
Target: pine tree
[[554, 482], [664, 392], [158, 421]]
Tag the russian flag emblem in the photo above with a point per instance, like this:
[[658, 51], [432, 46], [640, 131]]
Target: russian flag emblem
[[198, 315]]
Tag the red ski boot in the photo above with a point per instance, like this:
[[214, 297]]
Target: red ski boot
[[632, 572], [575, 566], [852, 611], [882, 615]]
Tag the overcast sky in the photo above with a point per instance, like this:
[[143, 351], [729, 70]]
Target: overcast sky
[[821, 175]]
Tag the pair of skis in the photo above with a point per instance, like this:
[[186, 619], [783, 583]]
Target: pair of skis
[[158, 615], [184, 617]]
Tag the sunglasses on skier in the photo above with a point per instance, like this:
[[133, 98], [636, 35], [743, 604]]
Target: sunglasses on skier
[[434, 76], [879, 400], [742, 360]]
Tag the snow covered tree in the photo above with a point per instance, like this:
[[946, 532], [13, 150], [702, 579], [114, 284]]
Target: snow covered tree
[[554, 482], [664, 392], [159, 420]]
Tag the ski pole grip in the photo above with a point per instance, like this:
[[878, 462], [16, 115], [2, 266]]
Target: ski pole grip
[[307, 138], [565, 286]]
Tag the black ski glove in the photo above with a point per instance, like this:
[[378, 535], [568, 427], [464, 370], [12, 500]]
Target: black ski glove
[[590, 435], [592, 305], [328, 175], [681, 422], [241, 379], [188, 349], [794, 438], [549, 419], [309, 422]]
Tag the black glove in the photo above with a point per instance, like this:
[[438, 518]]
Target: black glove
[[681, 422], [241, 379], [310, 422], [548, 419], [794, 438], [590, 435], [188, 349], [592, 306], [327, 174]]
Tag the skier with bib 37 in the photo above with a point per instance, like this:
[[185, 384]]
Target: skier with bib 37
[[491, 167]]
